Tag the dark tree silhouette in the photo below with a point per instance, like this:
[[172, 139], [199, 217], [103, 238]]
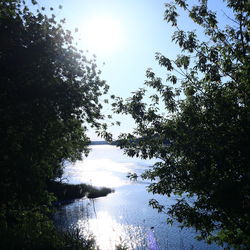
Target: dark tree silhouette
[[49, 92]]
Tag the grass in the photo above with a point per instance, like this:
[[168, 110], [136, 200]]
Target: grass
[[67, 192]]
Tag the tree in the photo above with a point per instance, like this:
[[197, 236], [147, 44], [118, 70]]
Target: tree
[[203, 140], [49, 93]]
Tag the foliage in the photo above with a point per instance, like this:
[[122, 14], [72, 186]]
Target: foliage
[[65, 191], [49, 94], [74, 240], [121, 246], [36, 231], [202, 140]]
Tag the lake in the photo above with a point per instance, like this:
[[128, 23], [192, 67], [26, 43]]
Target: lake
[[122, 216]]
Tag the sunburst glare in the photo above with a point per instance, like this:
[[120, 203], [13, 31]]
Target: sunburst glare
[[102, 34]]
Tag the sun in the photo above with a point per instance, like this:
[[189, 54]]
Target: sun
[[102, 34]]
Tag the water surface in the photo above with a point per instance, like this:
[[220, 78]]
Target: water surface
[[123, 216]]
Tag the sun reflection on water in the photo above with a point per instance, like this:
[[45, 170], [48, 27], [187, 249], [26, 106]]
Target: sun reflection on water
[[103, 172], [109, 233], [123, 216]]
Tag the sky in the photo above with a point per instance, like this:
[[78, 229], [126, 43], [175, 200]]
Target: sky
[[125, 34]]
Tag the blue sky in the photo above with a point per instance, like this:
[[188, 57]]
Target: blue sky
[[143, 32]]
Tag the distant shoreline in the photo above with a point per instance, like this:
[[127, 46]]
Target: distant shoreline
[[103, 143], [99, 143]]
